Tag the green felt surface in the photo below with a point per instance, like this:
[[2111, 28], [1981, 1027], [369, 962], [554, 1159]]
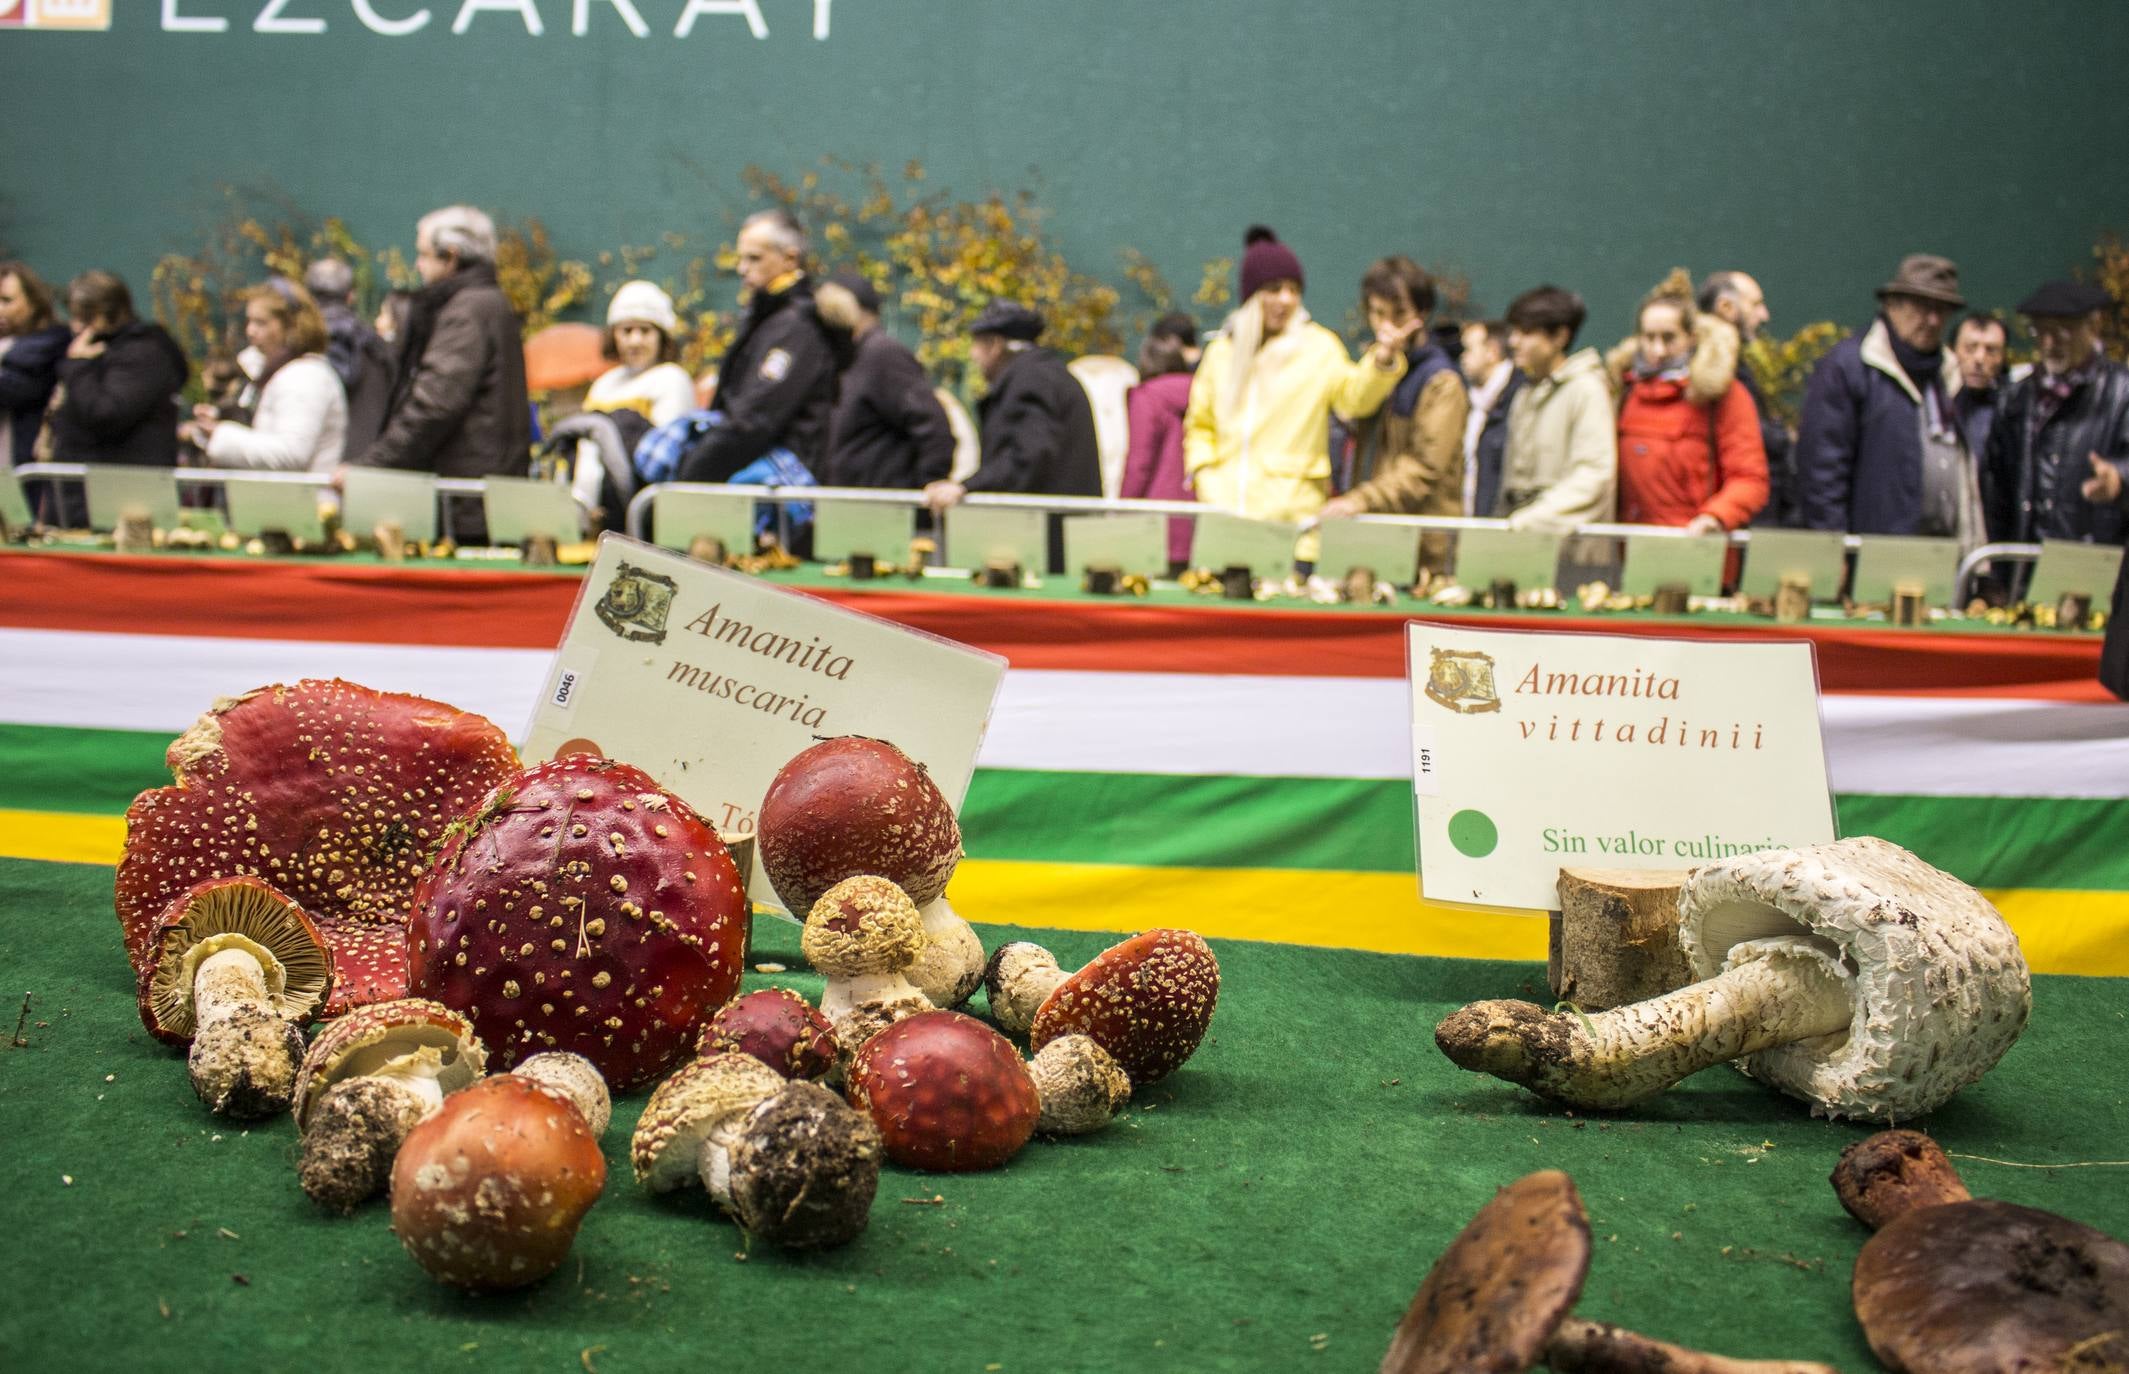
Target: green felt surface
[[1272, 1206]]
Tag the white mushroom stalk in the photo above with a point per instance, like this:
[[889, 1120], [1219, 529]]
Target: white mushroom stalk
[[1021, 976], [245, 1054], [949, 968], [1777, 991], [1851, 975]]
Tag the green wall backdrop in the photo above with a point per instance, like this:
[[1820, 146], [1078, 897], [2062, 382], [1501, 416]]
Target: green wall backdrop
[[1595, 143]]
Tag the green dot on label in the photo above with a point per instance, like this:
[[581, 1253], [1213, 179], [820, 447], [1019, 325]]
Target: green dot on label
[[1473, 833]]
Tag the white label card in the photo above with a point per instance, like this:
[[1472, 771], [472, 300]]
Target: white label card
[[711, 681], [1534, 751]]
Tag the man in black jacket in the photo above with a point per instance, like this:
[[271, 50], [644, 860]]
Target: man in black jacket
[[362, 360], [1038, 427], [776, 385], [889, 429], [118, 384], [2059, 450]]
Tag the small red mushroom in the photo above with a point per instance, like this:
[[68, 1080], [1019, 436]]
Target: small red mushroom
[[853, 806], [489, 1189], [777, 1026], [581, 907], [333, 793], [1146, 1001], [947, 1092]]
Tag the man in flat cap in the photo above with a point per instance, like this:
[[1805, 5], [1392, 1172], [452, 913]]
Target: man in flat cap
[[1880, 449], [2059, 452], [888, 428], [1038, 429]]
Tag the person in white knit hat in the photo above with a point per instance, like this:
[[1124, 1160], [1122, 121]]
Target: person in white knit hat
[[642, 338]]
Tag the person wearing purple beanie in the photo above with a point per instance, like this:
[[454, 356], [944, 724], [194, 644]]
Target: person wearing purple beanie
[[1254, 436]]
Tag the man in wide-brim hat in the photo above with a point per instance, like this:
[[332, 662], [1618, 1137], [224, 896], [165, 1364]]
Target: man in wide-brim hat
[[2059, 453], [1880, 449]]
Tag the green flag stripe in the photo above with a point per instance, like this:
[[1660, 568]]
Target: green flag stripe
[[1323, 824]]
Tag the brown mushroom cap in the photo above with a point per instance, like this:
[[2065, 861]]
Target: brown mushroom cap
[[232, 913], [854, 805], [332, 792], [1893, 1172], [376, 1036], [1984, 1287], [777, 1026], [1146, 1001], [1497, 1294], [804, 1169]]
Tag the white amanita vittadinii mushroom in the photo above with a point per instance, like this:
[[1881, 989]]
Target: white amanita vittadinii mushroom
[[1851, 975]]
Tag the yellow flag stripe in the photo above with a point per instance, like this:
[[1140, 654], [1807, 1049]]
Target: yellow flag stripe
[[2061, 931]]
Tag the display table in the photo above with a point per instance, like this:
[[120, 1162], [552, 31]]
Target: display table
[[1272, 1206], [1241, 768]]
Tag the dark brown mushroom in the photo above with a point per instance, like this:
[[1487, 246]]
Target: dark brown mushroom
[[1497, 1301], [1950, 1285]]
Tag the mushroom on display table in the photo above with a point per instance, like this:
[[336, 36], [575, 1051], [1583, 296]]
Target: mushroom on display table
[[851, 806], [368, 1079], [1147, 1001], [863, 935], [1851, 975], [1499, 1298], [333, 793], [489, 1189], [1951, 1285], [235, 971], [791, 1161], [947, 1092], [582, 907], [777, 1026], [1081, 1088]]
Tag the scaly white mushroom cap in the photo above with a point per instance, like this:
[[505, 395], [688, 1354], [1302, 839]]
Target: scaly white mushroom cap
[[1939, 987]]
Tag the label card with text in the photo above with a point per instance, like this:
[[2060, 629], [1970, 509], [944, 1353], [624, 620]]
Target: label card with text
[[711, 681], [1534, 751]]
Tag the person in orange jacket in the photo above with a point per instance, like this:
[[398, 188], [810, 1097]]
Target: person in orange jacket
[[1690, 451]]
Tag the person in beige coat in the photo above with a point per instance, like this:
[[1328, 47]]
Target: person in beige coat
[[1562, 463]]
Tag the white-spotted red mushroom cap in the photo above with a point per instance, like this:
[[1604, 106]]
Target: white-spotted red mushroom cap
[[233, 913], [862, 925], [666, 1148], [1939, 987], [333, 793], [412, 1032], [854, 805], [581, 906], [1147, 1001]]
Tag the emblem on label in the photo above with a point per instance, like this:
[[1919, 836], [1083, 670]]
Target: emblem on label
[[1462, 681], [636, 604]]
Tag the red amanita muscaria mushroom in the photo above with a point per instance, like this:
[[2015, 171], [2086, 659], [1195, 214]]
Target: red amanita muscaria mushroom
[[1147, 1001], [331, 792], [235, 971], [369, 1077], [489, 1189], [851, 806], [777, 1026], [947, 1092], [581, 907]]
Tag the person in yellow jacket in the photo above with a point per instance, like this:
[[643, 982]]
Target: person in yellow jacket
[[1256, 435]]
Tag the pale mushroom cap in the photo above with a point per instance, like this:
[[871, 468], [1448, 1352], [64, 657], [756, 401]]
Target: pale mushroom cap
[[386, 1034], [576, 1078], [862, 925], [684, 1110], [1939, 987]]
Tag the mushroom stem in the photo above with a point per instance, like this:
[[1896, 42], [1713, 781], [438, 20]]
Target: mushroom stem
[[1021, 976], [1079, 1084], [355, 1134], [845, 994], [715, 1160], [949, 968], [1892, 1173], [1586, 1347], [419, 1072], [244, 1055], [1776, 991]]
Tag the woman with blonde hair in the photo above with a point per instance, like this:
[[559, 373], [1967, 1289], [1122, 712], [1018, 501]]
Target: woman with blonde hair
[[1256, 434], [1690, 451], [298, 406]]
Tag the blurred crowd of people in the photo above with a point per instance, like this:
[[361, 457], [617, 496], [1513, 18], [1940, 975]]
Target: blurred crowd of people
[[1910, 427]]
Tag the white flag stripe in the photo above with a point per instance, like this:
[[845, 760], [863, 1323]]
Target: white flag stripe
[[1172, 723]]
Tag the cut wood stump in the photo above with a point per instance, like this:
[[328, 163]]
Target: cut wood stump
[[1615, 937]]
